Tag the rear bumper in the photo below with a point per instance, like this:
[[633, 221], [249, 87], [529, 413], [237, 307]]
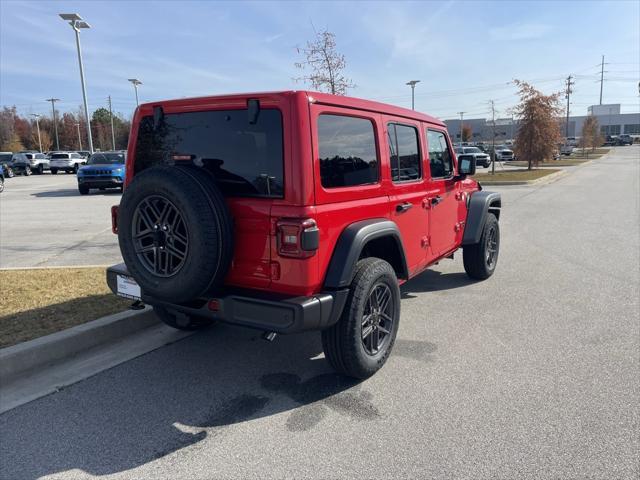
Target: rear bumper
[[260, 310]]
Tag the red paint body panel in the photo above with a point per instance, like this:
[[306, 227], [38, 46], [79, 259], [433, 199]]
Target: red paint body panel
[[428, 233]]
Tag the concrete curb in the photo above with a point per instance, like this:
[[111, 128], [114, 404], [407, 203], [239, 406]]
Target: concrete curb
[[19, 360], [546, 179]]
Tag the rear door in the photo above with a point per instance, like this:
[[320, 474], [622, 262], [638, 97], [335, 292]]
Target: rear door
[[443, 195], [407, 190]]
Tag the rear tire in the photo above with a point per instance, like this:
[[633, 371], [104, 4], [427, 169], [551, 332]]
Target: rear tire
[[181, 321], [27, 171], [373, 306], [54, 171], [40, 170], [480, 259]]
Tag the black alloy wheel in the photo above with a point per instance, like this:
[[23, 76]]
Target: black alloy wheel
[[161, 239], [377, 319]]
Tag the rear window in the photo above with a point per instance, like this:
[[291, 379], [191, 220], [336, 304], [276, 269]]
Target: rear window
[[347, 151], [59, 156], [245, 159]]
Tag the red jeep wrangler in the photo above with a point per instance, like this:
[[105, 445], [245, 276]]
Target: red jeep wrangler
[[295, 211]]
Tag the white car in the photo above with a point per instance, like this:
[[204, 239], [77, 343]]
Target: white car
[[504, 154], [70, 162]]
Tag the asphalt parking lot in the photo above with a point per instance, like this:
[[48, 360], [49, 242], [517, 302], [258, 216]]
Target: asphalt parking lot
[[46, 222], [530, 374]]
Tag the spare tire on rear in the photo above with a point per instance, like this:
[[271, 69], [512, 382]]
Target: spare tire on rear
[[175, 232]]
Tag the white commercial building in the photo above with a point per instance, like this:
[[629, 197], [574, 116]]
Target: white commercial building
[[611, 122]]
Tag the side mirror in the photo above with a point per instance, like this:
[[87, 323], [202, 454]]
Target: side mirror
[[466, 165]]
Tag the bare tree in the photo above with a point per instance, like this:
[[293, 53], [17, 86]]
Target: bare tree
[[591, 136], [539, 130], [324, 65]]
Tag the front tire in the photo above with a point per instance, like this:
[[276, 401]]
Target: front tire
[[480, 259], [27, 171], [40, 170], [54, 171], [181, 321], [83, 190], [362, 340]]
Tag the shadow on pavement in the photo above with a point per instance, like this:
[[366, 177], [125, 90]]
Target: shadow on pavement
[[68, 192], [176, 397], [434, 281]]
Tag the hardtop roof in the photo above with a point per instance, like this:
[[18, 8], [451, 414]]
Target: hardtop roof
[[318, 97]]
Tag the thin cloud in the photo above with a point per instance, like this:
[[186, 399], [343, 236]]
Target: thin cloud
[[520, 31]]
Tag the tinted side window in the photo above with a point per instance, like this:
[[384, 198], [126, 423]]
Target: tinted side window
[[440, 159], [404, 153], [347, 151], [245, 159]]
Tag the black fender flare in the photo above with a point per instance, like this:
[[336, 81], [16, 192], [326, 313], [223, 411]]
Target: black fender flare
[[349, 247], [480, 204]]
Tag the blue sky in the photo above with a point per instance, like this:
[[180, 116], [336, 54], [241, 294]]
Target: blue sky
[[464, 53]]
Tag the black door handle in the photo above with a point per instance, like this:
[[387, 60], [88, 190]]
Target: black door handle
[[403, 207], [436, 200]]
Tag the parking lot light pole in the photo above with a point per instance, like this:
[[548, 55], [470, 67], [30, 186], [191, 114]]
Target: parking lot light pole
[[79, 137], [55, 124], [135, 83], [461, 120], [37, 117], [77, 23], [412, 83]]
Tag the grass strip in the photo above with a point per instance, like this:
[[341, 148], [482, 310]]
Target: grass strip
[[37, 302]]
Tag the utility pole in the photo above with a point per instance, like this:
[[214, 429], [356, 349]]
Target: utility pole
[[568, 93], [55, 123], [412, 83], [113, 136], [461, 120], [79, 137], [37, 116], [601, 77], [493, 136]]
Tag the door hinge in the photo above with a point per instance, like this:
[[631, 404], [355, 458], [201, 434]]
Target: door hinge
[[459, 226], [426, 240]]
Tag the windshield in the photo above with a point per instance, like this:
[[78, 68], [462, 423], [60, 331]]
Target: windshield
[[60, 155], [106, 158], [472, 150]]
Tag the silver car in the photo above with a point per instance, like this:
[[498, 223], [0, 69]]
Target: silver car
[[70, 162], [481, 157], [27, 163]]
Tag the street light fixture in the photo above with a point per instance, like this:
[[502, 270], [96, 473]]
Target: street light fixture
[[412, 83], [77, 23], [37, 117], [136, 82]]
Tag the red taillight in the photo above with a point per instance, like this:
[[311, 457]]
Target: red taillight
[[114, 219], [297, 237]]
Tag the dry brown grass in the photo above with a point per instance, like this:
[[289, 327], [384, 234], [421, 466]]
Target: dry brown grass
[[514, 175], [42, 301]]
